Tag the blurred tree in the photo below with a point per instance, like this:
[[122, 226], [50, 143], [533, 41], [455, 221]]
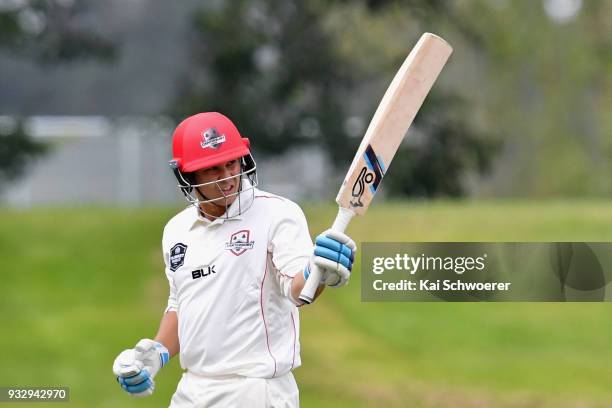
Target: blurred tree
[[544, 80], [447, 148], [48, 32], [283, 70], [537, 76], [16, 150], [272, 68], [435, 165], [51, 31]]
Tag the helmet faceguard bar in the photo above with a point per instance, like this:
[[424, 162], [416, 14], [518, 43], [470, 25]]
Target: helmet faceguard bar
[[193, 195]]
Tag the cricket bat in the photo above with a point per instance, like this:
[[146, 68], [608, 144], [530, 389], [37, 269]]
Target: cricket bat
[[391, 120]]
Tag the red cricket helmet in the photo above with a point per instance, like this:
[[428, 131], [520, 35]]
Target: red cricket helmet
[[206, 140]]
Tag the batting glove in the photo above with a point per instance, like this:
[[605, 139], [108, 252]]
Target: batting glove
[[135, 368], [334, 253]]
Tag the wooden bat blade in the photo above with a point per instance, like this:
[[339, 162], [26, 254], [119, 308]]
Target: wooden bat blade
[[393, 117]]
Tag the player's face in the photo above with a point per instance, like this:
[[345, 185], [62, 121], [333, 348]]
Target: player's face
[[227, 182]]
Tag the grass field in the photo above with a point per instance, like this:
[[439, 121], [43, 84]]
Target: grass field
[[80, 285]]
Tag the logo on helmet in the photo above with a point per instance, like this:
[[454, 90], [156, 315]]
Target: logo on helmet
[[211, 139]]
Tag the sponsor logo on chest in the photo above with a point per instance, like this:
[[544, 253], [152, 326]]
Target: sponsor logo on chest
[[239, 242]]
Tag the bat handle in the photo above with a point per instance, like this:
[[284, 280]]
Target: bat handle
[[314, 279]]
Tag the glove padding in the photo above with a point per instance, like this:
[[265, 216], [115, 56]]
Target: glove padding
[[135, 368], [334, 253]]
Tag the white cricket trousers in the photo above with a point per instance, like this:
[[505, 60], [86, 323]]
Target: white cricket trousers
[[230, 391]]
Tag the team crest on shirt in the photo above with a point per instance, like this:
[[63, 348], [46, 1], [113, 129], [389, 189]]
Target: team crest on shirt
[[177, 256], [239, 242], [212, 139]]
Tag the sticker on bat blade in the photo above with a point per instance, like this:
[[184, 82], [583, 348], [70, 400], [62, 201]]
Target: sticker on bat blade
[[370, 175]]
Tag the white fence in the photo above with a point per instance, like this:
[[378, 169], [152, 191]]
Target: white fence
[[95, 160]]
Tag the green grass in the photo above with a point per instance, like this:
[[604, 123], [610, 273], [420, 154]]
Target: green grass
[[80, 285]]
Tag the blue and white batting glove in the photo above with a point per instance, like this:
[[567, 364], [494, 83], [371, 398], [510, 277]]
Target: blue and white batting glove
[[135, 368], [334, 253]]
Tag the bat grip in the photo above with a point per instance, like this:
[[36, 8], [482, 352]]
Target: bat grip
[[314, 279]]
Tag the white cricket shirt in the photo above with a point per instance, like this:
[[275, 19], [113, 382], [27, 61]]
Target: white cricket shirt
[[230, 284]]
